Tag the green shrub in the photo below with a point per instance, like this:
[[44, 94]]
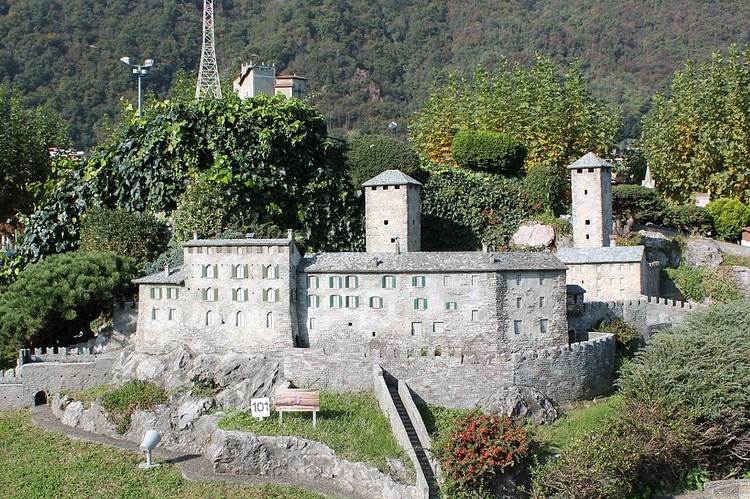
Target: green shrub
[[136, 235], [121, 402], [370, 155], [701, 283], [685, 404], [689, 218], [53, 302], [478, 448], [633, 239], [730, 216], [627, 340], [547, 188], [492, 152], [560, 225], [203, 208], [641, 204], [462, 209]]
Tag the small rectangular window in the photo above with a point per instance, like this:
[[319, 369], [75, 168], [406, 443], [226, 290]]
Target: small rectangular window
[[416, 328], [451, 305], [335, 282], [446, 280], [352, 281], [154, 314], [541, 301], [172, 314], [420, 304], [389, 282], [519, 302], [352, 301], [474, 280], [313, 282], [517, 327], [518, 279], [313, 301], [541, 280], [543, 326], [474, 315], [437, 327], [418, 281], [376, 302], [312, 322], [336, 301]]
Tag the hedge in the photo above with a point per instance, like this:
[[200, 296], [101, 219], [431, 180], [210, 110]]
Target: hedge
[[488, 151]]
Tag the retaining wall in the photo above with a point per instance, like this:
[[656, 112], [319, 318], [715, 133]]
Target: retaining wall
[[460, 379], [51, 371]]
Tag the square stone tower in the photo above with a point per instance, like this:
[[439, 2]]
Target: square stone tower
[[392, 213], [591, 180]]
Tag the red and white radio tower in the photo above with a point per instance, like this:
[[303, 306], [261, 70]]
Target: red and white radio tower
[[208, 75]]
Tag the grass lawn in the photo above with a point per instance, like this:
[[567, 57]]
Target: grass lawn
[[742, 261], [439, 420], [577, 420], [351, 424], [35, 463]]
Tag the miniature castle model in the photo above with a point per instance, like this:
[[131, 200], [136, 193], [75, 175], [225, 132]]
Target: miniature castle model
[[606, 272], [250, 294], [255, 79]]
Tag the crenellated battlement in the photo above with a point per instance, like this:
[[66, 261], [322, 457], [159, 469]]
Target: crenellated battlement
[[59, 354], [10, 377]]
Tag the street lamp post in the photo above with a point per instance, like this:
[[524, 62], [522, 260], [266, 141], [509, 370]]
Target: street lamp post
[[140, 70]]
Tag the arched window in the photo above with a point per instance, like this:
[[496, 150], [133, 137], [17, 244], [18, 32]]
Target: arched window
[[271, 272], [240, 271], [269, 320], [210, 318], [239, 319], [271, 295]]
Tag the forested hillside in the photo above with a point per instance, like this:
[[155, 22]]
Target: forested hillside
[[368, 61]]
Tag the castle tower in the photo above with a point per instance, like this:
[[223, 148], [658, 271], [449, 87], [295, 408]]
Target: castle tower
[[255, 79], [392, 213], [591, 180]]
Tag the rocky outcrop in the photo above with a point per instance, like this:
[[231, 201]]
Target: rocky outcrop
[[741, 276], [660, 248], [720, 489], [242, 453], [235, 378], [74, 414], [520, 402], [702, 253], [534, 235]]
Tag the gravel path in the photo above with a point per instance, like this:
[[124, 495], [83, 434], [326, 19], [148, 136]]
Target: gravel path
[[193, 466]]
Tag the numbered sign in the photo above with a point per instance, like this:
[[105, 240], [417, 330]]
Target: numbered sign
[[260, 408]]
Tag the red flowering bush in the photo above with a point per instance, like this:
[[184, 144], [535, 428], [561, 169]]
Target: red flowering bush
[[478, 448]]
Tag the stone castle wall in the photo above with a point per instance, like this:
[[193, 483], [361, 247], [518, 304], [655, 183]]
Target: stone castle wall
[[454, 378], [52, 371], [647, 314]]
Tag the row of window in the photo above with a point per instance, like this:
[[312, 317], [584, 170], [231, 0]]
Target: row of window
[[210, 319], [518, 326], [338, 301], [386, 281], [519, 301], [270, 295], [239, 271], [169, 293], [238, 250]]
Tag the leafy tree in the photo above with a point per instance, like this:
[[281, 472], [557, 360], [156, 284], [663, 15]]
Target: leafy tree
[[730, 216], [54, 301], [489, 151], [461, 210], [633, 167], [202, 208], [26, 134], [136, 235], [369, 155], [698, 138], [553, 115], [637, 204], [548, 188]]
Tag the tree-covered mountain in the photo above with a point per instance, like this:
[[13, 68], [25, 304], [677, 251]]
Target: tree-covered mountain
[[368, 61]]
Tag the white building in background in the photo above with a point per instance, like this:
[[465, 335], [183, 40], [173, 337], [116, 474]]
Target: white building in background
[[605, 271], [255, 79]]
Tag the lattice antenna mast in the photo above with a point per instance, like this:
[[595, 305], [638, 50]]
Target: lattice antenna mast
[[208, 75]]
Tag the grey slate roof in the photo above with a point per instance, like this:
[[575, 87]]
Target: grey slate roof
[[574, 289], [455, 261], [176, 276], [614, 254], [391, 177], [237, 242], [589, 160]]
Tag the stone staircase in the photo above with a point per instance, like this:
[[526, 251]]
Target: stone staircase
[[424, 462]]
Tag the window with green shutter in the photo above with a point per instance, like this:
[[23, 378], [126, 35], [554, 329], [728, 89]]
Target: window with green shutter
[[352, 281], [418, 281]]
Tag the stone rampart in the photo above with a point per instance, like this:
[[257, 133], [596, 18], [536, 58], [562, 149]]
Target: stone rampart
[[647, 314], [456, 378], [51, 371]]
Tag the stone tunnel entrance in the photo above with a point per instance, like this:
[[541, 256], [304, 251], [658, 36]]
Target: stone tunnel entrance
[[40, 398]]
